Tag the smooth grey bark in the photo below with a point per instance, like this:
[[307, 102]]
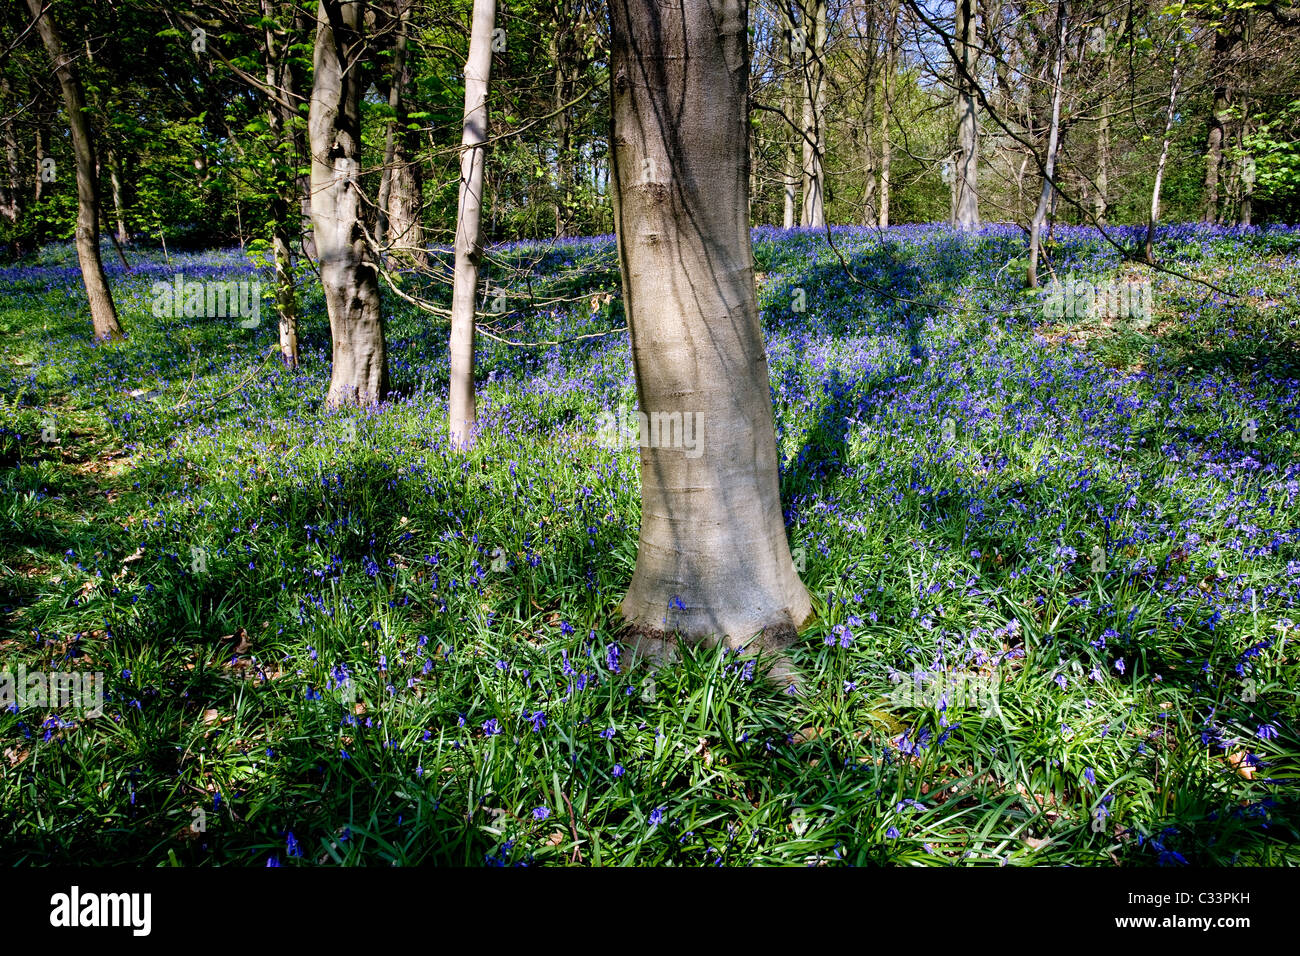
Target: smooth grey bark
[[1101, 201], [1224, 43], [306, 234], [119, 199], [568, 57], [280, 120], [791, 172], [713, 563], [1148, 247], [887, 115], [1244, 210], [103, 313], [38, 186], [1245, 175], [965, 194], [349, 274], [469, 240], [813, 81], [11, 199], [870, 212], [1053, 137], [399, 226]]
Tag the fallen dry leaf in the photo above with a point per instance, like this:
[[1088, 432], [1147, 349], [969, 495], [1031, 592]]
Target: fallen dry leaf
[[1237, 761]]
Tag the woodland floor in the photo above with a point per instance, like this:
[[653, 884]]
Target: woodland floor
[[393, 653]]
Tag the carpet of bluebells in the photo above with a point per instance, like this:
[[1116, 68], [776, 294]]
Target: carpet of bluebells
[[1055, 565]]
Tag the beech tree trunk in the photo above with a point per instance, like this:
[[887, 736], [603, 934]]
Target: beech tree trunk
[[1148, 247], [870, 211], [103, 313], [791, 172], [348, 271], [965, 201], [1100, 202], [567, 53], [1223, 44], [469, 240], [302, 154], [11, 200], [38, 186], [279, 78], [813, 213], [887, 115], [119, 199], [1053, 136], [713, 563], [400, 228]]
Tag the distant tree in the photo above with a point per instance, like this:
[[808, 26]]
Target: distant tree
[[103, 313], [965, 194], [348, 270]]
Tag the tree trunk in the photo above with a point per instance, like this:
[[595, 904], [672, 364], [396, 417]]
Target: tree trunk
[[813, 214], [302, 149], [399, 227], [102, 311], [38, 189], [280, 122], [1245, 210], [965, 208], [1099, 202], [712, 561], [348, 271], [1245, 169], [1223, 44], [1049, 165], [1148, 247], [791, 173], [11, 197], [119, 200], [564, 46], [887, 115], [469, 238]]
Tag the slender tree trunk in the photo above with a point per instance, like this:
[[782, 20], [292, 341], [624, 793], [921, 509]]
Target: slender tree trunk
[[38, 189], [813, 214], [402, 206], [1245, 169], [469, 238], [1148, 247], [302, 149], [1100, 201], [348, 271], [119, 200], [280, 122], [1223, 44], [564, 46], [791, 172], [405, 204], [11, 197], [712, 562], [887, 115], [965, 209], [1049, 165], [102, 311], [870, 211], [1247, 176]]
